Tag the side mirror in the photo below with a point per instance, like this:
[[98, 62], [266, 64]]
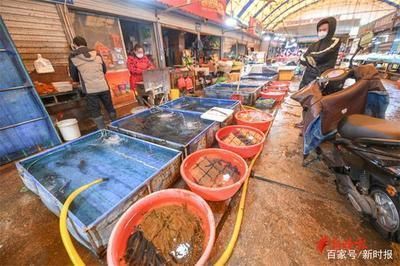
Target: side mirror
[[366, 39]]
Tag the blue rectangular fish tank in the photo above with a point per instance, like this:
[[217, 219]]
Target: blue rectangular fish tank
[[177, 129], [258, 76], [201, 105], [250, 93], [252, 82], [133, 168]]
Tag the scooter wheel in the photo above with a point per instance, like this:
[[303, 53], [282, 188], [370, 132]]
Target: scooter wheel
[[387, 222]]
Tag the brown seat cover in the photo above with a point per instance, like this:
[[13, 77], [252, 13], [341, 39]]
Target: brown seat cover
[[363, 126], [346, 102]]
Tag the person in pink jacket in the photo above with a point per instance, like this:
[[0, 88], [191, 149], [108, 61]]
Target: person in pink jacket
[[137, 63]]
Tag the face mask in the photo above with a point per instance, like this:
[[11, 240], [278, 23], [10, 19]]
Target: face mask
[[322, 34], [139, 55]]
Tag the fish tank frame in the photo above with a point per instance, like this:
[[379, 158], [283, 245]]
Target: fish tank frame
[[95, 235], [204, 139]]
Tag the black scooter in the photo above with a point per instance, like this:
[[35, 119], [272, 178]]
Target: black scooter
[[364, 155]]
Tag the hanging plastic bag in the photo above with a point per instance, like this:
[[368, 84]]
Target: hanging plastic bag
[[189, 83], [43, 65], [181, 83]]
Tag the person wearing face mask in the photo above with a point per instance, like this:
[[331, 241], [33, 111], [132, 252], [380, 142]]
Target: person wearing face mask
[[321, 54], [137, 64], [88, 68]]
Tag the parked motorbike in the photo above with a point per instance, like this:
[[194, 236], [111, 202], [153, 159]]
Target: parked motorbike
[[363, 151]]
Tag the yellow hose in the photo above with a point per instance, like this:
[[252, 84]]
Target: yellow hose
[[235, 234], [238, 223], [66, 238], [248, 107]]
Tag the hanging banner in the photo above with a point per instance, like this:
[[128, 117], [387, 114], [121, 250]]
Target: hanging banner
[[255, 27], [213, 10]]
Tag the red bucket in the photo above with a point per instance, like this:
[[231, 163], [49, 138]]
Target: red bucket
[[133, 216], [276, 95], [254, 118], [246, 151], [200, 164]]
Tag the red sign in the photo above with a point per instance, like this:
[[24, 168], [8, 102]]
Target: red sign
[[255, 26], [211, 9], [326, 243]]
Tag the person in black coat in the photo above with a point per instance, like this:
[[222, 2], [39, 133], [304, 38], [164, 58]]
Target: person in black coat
[[323, 53]]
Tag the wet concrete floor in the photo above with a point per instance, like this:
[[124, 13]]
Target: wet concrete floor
[[284, 218]]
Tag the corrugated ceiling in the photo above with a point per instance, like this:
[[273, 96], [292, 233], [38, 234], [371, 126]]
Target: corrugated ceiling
[[272, 12]]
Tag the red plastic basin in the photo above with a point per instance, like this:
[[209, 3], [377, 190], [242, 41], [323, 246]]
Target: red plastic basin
[[276, 95], [191, 169], [133, 216], [277, 88], [244, 151], [254, 118], [280, 83]]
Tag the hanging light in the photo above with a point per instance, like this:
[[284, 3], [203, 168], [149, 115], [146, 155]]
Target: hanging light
[[231, 22], [267, 38]]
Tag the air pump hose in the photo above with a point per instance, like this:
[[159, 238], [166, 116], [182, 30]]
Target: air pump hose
[[66, 238]]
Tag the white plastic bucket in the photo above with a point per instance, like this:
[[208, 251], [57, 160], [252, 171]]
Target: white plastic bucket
[[69, 129]]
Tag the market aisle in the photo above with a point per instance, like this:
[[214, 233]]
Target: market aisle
[[283, 224]]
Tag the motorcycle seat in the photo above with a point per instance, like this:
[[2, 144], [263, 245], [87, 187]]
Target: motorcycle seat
[[363, 126]]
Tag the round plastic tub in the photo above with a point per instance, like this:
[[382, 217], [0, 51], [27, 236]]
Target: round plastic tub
[[279, 83], [277, 88], [228, 140], [133, 216], [254, 118], [276, 95], [214, 165]]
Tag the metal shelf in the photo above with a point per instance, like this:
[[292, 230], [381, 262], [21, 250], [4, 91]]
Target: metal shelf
[[59, 98]]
